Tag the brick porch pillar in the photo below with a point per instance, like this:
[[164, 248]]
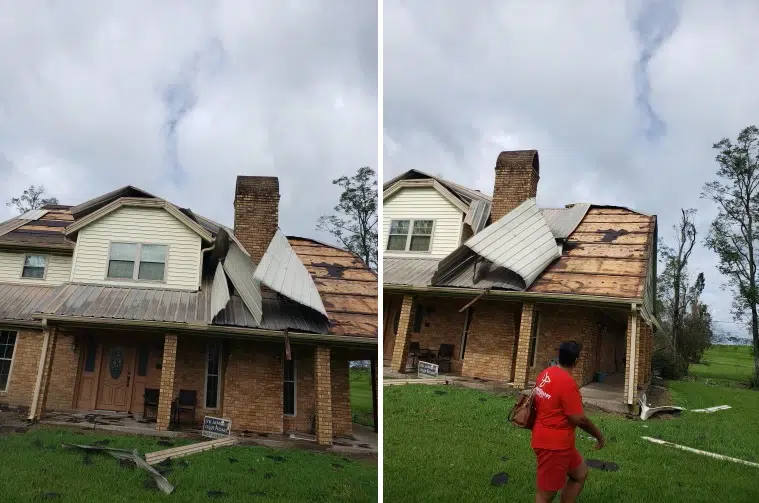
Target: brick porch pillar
[[523, 345], [323, 386], [632, 350], [166, 395], [400, 350]]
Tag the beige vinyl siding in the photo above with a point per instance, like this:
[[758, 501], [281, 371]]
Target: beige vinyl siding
[[58, 268], [428, 204], [138, 225]]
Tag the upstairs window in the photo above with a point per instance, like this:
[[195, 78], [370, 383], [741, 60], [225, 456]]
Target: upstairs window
[[34, 267], [7, 343], [137, 261], [410, 235]]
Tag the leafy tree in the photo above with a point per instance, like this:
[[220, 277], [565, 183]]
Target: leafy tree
[[355, 221], [734, 231], [31, 199]]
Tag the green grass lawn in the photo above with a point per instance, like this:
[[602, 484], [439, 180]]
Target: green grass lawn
[[444, 443], [34, 467], [361, 396], [725, 363]]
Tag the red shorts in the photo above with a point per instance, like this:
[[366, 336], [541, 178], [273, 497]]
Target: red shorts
[[553, 467]]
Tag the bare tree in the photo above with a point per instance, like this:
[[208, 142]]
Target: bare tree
[[31, 199], [734, 232], [355, 224], [673, 280]]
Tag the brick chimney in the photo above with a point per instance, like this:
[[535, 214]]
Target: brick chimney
[[256, 212], [516, 180]]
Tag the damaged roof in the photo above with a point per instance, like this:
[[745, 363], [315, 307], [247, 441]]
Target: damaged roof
[[346, 285], [38, 229]]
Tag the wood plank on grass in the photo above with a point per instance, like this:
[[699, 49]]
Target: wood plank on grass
[[185, 450]]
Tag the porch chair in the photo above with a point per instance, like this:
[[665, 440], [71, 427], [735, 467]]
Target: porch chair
[[444, 355], [413, 355], [186, 402], [150, 400]]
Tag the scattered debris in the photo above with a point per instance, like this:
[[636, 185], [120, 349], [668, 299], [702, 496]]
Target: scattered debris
[[499, 479], [105, 441], [278, 459], [51, 496], [258, 493], [216, 494], [268, 475], [365, 446], [440, 392], [126, 463], [709, 410], [646, 411], [159, 480], [185, 450], [699, 451], [606, 466], [165, 443]]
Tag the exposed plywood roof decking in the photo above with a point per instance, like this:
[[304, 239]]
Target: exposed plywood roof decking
[[43, 229], [347, 287], [608, 254]]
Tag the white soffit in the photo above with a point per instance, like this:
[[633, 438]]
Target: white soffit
[[520, 241], [281, 270]]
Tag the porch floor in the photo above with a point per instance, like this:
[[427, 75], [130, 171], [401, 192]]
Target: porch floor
[[608, 395], [120, 422]]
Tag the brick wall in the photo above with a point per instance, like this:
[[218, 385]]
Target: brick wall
[[253, 386], [442, 324], [190, 374], [400, 349], [23, 377], [323, 387], [65, 363], [342, 421], [256, 212], [491, 339], [516, 180]]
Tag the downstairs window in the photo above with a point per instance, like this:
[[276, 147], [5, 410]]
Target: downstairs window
[[213, 371], [7, 344], [288, 387]]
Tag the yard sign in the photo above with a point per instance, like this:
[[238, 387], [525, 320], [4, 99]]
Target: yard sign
[[216, 427], [426, 369]]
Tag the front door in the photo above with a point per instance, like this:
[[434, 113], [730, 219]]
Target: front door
[[392, 315], [116, 378]]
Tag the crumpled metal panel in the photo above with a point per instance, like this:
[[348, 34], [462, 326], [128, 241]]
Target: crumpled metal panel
[[219, 291], [477, 216], [241, 271], [409, 271], [282, 271], [520, 241], [563, 221]]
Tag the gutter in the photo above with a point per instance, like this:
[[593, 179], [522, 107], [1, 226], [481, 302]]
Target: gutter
[[512, 294], [233, 332]]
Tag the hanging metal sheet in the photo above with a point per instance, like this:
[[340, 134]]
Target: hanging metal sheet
[[241, 270]]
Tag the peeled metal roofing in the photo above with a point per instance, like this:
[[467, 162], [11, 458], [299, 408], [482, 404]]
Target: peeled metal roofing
[[282, 271], [219, 290], [409, 271], [477, 216], [563, 221], [241, 271], [520, 241], [279, 314]]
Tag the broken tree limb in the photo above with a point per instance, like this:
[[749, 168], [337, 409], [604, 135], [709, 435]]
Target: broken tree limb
[[163, 484], [699, 451]]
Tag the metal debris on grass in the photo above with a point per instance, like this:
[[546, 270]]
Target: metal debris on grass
[[709, 410], [598, 464], [499, 479], [699, 451], [160, 481]]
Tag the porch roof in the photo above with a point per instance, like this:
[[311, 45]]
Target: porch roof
[[19, 302]]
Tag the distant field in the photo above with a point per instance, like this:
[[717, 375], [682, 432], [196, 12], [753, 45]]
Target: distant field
[[361, 396], [733, 364]]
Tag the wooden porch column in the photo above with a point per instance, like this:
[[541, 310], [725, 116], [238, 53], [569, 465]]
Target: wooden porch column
[[400, 350], [166, 395], [632, 355], [523, 345], [323, 386], [43, 373], [374, 393]]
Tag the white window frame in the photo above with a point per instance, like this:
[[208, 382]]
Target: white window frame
[[13, 359], [410, 234], [295, 388], [218, 376], [44, 272], [138, 257]]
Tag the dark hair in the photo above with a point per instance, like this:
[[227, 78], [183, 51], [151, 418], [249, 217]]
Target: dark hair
[[568, 353]]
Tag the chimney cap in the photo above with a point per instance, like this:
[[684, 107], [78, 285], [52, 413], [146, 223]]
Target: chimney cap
[[517, 158], [256, 184]]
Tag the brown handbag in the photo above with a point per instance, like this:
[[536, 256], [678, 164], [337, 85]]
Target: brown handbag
[[523, 412]]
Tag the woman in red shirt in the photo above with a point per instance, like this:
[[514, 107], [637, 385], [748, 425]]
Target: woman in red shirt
[[559, 411]]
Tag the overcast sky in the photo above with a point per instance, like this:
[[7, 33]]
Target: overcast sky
[[622, 100], [179, 97]]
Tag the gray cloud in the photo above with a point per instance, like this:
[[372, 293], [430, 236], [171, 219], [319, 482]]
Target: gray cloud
[[592, 85], [180, 97]]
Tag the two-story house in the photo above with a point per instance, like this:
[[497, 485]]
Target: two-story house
[[488, 287], [128, 299]]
